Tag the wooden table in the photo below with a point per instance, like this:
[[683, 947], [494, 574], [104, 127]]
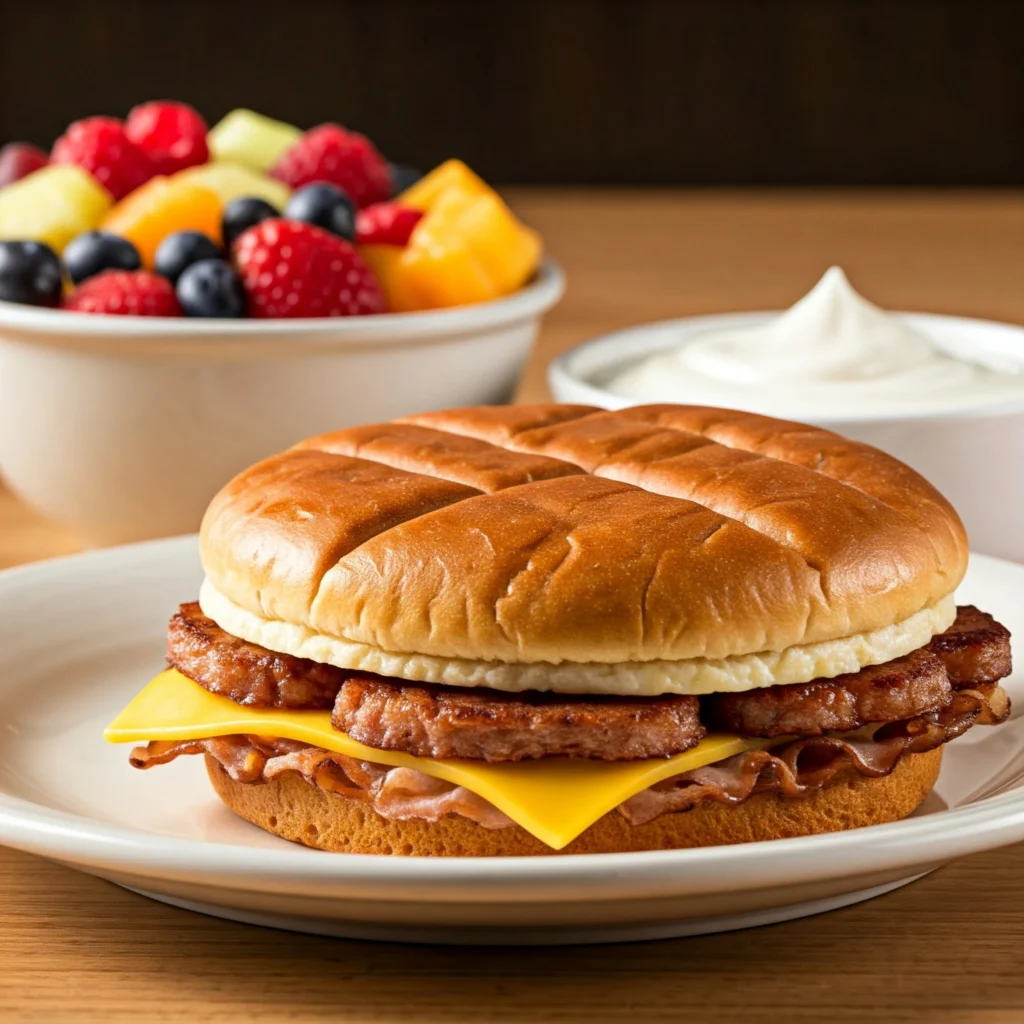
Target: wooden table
[[947, 948]]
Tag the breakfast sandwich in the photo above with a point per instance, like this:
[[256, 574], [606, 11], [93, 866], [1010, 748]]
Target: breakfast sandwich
[[538, 629]]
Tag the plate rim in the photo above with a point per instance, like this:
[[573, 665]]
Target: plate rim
[[95, 845]]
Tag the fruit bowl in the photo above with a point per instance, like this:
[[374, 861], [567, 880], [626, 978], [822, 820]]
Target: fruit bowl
[[124, 427]]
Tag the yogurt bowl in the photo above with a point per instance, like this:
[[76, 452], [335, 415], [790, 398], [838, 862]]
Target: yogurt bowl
[[974, 454], [124, 427]]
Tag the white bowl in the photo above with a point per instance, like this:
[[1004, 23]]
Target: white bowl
[[975, 457], [125, 427]]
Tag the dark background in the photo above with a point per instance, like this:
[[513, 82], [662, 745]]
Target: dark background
[[782, 92]]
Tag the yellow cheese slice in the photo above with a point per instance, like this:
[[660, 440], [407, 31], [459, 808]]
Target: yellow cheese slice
[[554, 799]]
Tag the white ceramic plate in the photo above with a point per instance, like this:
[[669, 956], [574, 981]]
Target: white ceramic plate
[[79, 636]]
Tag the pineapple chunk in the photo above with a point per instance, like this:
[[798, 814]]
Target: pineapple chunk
[[53, 205], [245, 137], [230, 181]]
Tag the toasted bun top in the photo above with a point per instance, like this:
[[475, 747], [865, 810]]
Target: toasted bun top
[[554, 533]]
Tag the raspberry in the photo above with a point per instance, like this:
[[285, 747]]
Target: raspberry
[[346, 159], [291, 269], [125, 293], [18, 160], [173, 134], [100, 146], [386, 224]]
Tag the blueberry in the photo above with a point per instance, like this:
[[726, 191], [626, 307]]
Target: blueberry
[[181, 250], [211, 288], [29, 273], [96, 251], [402, 177], [243, 213], [326, 206]]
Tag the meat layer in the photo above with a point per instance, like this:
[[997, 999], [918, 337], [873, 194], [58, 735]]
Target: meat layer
[[975, 649], [436, 721], [247, 673], [444, 722], [902, 688]]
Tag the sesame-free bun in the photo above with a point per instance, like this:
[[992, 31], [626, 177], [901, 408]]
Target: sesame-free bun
[[556, 533], [300, 811]]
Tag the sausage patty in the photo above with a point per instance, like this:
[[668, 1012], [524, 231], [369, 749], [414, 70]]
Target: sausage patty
[[438, 721], [975, 649], [432, 721], [247, 673], [902, 688], [446, 721]]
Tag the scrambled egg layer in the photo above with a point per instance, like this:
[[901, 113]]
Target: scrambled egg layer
[[798, 664]]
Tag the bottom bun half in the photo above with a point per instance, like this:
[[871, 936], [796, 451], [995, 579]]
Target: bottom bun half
[[296, 810]]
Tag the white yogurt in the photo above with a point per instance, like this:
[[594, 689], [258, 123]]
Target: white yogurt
[[834, 355]]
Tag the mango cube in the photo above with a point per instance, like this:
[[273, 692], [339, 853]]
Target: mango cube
[[162, 207], [230, 180], [468, 248], [386, 263], [452, 175], [247, 138], [53, 205]]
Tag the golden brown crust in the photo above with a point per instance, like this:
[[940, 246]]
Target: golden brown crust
[[296, 810], [550, 533]]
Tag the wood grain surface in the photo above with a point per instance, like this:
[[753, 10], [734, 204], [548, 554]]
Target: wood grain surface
[[949, 947]]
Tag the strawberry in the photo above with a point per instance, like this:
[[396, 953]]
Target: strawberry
[[100, 146], [386, 224], [173, 134], [346, 159], [125, 293], [291, 269]]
